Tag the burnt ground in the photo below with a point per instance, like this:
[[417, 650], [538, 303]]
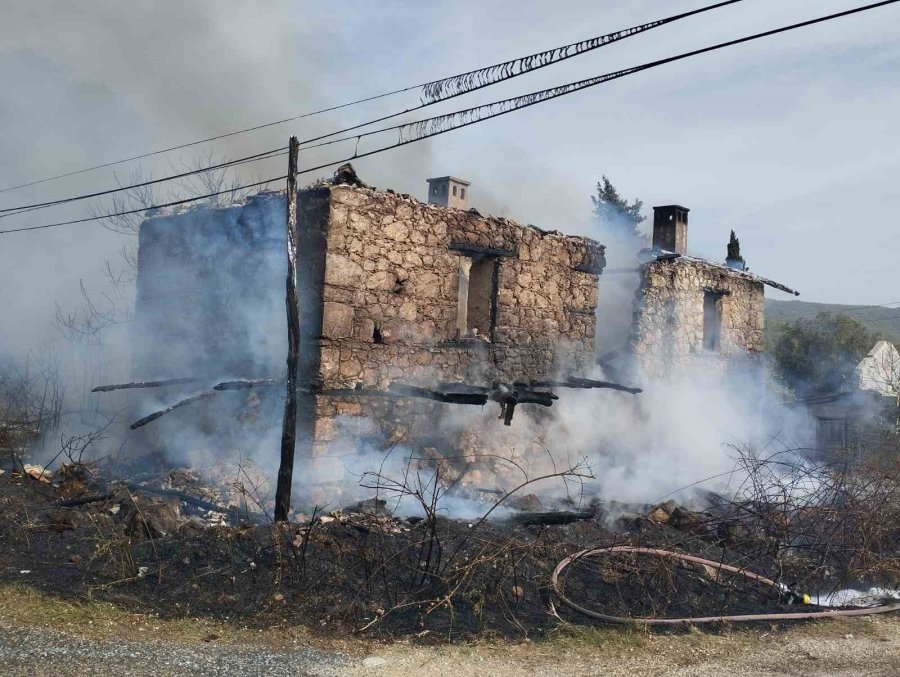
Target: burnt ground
[[357, 571]]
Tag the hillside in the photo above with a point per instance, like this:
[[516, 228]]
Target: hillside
[[881, 320]]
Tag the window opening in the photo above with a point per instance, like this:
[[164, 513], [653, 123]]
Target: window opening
[[712, 320], [477, 302]]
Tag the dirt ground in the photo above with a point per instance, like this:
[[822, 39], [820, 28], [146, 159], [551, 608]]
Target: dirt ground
[[44, 635]]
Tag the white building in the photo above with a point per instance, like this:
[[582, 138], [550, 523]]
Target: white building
[[879, 371]]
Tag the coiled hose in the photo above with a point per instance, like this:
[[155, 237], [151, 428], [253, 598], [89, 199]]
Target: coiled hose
[[557, 588]]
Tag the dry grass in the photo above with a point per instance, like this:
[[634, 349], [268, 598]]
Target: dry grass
[[20, 605]]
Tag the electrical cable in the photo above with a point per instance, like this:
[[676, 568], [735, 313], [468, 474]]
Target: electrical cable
[[433, 91], [13, 211], [429, 127]]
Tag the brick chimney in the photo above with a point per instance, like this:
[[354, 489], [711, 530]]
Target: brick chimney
[[670, 224], [449, 192]]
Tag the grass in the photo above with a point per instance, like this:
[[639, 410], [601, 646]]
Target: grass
[[21, 605], [612, 638]]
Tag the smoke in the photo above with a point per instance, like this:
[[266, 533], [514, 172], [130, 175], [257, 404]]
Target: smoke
[[211, 306]]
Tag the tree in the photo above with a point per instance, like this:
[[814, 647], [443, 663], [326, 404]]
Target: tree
[[817, 356], [734, 249], [615, 213]]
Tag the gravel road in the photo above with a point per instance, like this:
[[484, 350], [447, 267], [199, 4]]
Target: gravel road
[[842, 649], [39, 651]]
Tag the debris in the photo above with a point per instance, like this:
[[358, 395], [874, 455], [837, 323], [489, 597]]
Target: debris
[[345, 175], [154, 519], [62, 519], [526, 503], [372, 506], [658, 515], [37, 472], [552, 517], [180, 495], [84, 500]]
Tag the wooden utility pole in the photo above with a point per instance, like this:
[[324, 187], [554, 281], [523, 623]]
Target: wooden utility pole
[[289, 427]]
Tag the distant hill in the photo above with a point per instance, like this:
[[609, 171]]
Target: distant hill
[[883, 321]]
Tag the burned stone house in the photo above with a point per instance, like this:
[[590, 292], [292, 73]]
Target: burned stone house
[[391, 289], [397, 291], [690, 312]]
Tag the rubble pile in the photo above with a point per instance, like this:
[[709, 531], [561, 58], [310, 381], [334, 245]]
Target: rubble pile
[[179, 544]]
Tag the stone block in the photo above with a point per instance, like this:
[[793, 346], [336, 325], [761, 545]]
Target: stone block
[[337, 320], [342, 271]]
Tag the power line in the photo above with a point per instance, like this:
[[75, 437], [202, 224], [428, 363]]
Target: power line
[[433, 92], [482, 78], [145, 209], [411, 132], [429, 127], [13, 211]]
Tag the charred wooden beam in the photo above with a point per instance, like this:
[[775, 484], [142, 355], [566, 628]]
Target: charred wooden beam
[[576, 382], [554, 517], [162, 412], [243, 384], [181, 496], [145, 384], [402, 390], [472, 249], [83, 500]]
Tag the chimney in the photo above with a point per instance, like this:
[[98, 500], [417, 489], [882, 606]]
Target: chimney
[[670, 228], [449, 192]]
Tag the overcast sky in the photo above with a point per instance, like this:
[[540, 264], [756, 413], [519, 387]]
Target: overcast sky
[[792, 140]]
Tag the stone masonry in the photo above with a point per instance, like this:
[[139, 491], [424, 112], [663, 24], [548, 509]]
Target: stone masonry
[[390, 300], [381, 281], [690, 312]]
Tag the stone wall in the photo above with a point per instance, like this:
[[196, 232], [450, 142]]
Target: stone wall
[[379, 277], [391, 305], [391, 291], [210, 299], [667, 334]]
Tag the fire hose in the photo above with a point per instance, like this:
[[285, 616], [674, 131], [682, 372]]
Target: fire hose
[[832, 613]]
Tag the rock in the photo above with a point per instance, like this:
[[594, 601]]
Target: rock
[[684, 520], [658, 516], [342, 272], [64, 519], [383, 280], [527, 503], [37, 472], [374, 662], [337, 320], [154, 519], [669, 506]]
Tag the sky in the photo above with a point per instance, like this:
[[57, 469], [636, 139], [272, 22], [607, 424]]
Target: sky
[[791, 141]]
